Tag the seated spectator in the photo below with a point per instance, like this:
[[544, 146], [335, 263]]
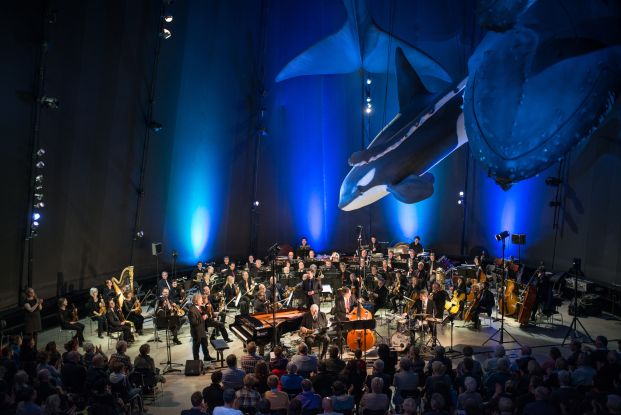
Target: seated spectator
[[291, 382], [564, 392], [353, 379], [310, 400], [97, 376], [341, 400], [44, 386], [28, 356], [121, 356], [20, 384], [120, 385], [326, 405], [8, 365], [73, 373], [144, 362], [322, 381], [521, 363], [553, 354], [576, 348], [440, 356], [333, 363], [250, 359], [376, 399], [27, 405], [527, 397], [378, 372], [247, 397], [584, 373], [53, 353], [198, 406], [409, 407], [477, 371], [405, 380], [279, 362], [261, 372], [279, 401], [306, 363], [505, 406], [386, 356], [600, 354], [229, 400], [613, 404], [610, 370], [489, 365], [467, 368], [417, 362], [498, 376], [295, 407], [438, 383], [470, 396], [541, 406], [214, 393], [43, 364], [438, 405], [232, 377], [71, 346]]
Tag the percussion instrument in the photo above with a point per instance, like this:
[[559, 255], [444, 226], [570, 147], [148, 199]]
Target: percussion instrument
[[399, 341]]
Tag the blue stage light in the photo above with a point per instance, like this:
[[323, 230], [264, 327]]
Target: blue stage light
[[36, 216]]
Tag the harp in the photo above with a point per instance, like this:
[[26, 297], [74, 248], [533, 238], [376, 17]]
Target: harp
[[123, 283]]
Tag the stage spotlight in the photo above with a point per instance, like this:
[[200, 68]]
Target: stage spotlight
[[40, 165], [165, 33], [461, 194], [155, 126], [49, 102], [369, 81], [35, 224], [553, 181], [368, 110], [139, 234], [256, 203], [502, 235], [39, 205], [554, 203], [40, 152], [38, 188], [460, 202], [38, 196], [368, 99], [168, 19], [36, 216], [39, 178]]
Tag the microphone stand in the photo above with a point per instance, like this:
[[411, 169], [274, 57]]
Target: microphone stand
[[169, 364]]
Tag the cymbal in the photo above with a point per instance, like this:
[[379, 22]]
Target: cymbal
[[434, 320]]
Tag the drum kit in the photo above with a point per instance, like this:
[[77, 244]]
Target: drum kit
[[406, 329]]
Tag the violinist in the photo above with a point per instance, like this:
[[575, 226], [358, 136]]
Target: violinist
[[167, 315], [485, 304], [96, 308], [132, 310], [210, 307], [69, 321], [117, 322]]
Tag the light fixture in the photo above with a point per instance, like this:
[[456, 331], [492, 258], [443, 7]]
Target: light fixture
[[38, 187], [255, 203], [263, 132], [166, 33], [155, 126], [368, 99], [139, 234], [40, 152], [36, 216], [461, 194], [554, 181], [39, 178], [168, 18], [35, 224], [369, 81], [502, 235], [460, 202], [38, 196], [40, 165], [368, 110], [39, 205], [49, 102]]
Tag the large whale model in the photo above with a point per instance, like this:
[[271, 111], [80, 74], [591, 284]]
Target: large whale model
[[427, 128], [361, 44]]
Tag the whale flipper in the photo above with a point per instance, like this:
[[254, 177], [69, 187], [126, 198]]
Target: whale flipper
[[413, 188]]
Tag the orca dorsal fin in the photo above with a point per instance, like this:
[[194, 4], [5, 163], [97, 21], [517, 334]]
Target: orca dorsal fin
[[409, 85]]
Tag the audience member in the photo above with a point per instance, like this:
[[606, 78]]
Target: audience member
[[229, 400], [198, 407], [376, 399], [309, 399], [306, 363], [250, 359], [213, 394], [291, 382], [341, 400], [279, 401], [333, 363], [232, 377], [279, 362], [247, 397]]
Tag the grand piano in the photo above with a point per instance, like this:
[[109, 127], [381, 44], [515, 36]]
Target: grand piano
[[259, 327]]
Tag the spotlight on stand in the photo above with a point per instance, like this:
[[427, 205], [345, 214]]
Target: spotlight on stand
[[49, 102], [502, 235], [139, 234], [256, 203], [155, 126], [166, 33], [40, 152], [168, 18], [40, 165], [39, 205]]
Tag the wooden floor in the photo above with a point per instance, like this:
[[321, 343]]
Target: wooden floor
[[178, 387]]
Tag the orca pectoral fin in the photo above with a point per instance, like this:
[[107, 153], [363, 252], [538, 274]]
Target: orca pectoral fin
[[413, 188]]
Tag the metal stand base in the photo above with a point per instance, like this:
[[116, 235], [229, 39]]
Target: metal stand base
[[501, 340], [573, 330]]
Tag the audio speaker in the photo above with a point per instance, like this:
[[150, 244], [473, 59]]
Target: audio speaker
[[156, 248], [193, 367]]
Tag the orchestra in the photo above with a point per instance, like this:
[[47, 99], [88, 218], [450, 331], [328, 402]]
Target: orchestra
[[405, 281]]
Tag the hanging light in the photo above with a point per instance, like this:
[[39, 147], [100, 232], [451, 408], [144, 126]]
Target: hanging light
[[166, 33], [168, 18]]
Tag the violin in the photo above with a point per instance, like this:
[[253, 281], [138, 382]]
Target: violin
[[74, 314], [102, 306]]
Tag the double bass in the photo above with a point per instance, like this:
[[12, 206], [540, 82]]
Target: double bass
[[530, 297], [360, 339], [510, 299]]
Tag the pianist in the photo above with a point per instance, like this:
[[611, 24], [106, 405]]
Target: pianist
[[313, 329]]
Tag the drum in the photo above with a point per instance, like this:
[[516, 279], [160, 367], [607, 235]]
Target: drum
[[399, 341]]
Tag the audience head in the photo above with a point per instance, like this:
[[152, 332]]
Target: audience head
[[144, 349], [117, 367], [378, 366], [437, 402], [505, 405], [302, 348], [470, 384], [99, 361], [339, 388], [196, 399], [43, 376], [307, 385], [333, 352], [121, 346], [277, 351], [409, 406], [503, 364], [377, 385], [541, 393], [601, 342], [468, 351], [405, 364], [228, 396], [272, 381], [89, 347], [439, 350], [250, 380], [73, 356], [437, 368], [264, 406], [231, 360], [564, 378], [326, 405], [261, 369], [499, 351], [292, 369], [614, 404], [358, 354], [216, 377]]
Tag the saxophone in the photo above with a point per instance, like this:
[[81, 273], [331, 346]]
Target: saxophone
[[126, 278]]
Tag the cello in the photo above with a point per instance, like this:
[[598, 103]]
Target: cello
[[510, 299], [530, 297], [360, 339]]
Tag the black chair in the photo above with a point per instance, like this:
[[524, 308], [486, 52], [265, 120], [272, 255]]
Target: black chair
[[148, 384], [120, 391]]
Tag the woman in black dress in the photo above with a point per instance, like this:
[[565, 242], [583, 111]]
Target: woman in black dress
[[32, 314]]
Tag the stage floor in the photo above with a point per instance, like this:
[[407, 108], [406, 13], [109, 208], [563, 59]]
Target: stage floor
[[178, 387]]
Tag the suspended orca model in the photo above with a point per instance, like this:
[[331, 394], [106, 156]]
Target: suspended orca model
[[428, 127], [361, 44]]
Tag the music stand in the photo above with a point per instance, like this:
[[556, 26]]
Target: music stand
[[502, 237], [169, 365]]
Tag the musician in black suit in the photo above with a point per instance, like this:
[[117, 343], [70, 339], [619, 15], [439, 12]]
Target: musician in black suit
[[108, 291], [311, 289], [197, 273], [344, 304], [424, 305], [312, 329], [224, 267], [164, 283], [210, 304], [374, 246], [416, 245], [303, 249], [197, 328], [379, 294], [255, 269], [166, 317], [485, 304], [260, 303], [117, 322], [544, 298]]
